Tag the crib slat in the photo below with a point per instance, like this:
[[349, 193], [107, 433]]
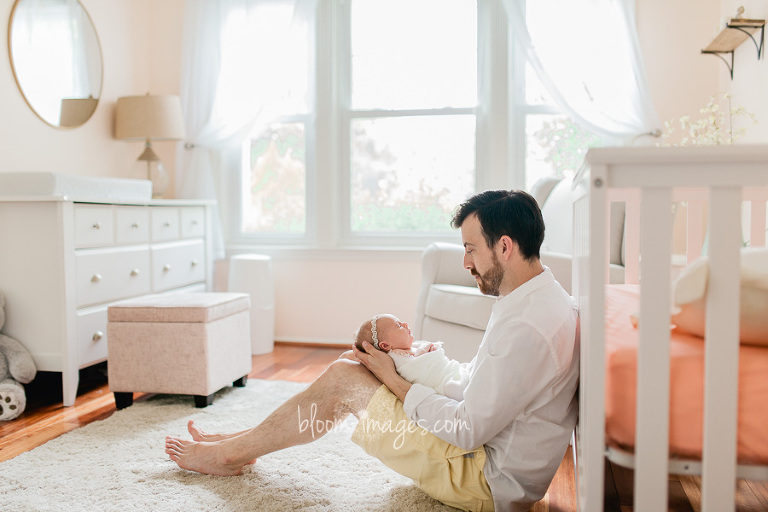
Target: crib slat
[[757, 224], [592, 351], [631, 243], [694, 232], [721, 363], [652, 438]]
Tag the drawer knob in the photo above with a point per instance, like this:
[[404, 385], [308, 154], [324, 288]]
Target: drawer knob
[[167, 225], [194, 222], [135, 225], [96, 278], [166, 267], [195, 263], [98, 335], [97, 225], [135, 272]]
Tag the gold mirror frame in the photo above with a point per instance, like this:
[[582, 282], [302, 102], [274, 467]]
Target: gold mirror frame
[[56, 60]]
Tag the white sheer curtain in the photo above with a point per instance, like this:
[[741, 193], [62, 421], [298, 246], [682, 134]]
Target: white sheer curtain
[[586, 53], [230, 86]]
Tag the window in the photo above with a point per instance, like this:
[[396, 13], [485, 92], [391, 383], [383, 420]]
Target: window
[[555, 145], [392, 120], [411, 121], [275, 187], [408, 173], [273, 183]]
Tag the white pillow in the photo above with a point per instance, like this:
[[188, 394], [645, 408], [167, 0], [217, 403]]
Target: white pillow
[[690, 289]]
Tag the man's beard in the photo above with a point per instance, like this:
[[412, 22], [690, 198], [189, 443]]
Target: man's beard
[[490, 282]]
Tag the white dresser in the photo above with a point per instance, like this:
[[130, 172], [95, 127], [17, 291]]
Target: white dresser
[[63, 262]]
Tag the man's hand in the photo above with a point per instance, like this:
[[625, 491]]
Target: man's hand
[[378, 362], [383, 367]]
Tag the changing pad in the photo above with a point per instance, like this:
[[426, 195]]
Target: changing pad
[[73, 187]]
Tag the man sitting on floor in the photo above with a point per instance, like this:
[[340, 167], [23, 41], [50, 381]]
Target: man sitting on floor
[[500, 446]]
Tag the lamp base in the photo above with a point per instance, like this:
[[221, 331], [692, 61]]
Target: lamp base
[[149, 167]]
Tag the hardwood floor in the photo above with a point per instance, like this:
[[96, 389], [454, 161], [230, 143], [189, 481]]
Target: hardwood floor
[[684, 492], [45, 418]]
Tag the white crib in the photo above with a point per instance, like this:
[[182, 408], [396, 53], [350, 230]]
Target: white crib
[[650, 180]]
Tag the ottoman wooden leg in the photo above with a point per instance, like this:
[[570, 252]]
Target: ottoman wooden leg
[[123, 400], [203, 401], [240, 383]]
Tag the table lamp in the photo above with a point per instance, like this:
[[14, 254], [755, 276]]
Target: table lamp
[[148, 118]]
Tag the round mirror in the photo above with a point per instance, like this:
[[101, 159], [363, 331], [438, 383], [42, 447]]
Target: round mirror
[[56, 60]]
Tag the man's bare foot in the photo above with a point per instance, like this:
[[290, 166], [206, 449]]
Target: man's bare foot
[[201, 437], [201, 457]]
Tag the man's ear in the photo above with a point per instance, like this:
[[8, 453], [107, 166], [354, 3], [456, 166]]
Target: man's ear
[[507, 246]]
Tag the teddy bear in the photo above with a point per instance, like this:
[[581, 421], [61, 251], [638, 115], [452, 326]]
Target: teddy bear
[[16, 366]]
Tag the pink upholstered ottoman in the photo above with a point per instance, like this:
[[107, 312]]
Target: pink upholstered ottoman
[[185, 343]]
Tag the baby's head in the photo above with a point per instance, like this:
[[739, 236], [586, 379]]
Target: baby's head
[[384, 332]]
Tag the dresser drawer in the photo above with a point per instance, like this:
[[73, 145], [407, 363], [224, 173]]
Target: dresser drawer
[[192, 222], [131, 225], [103, 275], [177, 264], [91, 336], [165, 223], [94, 225]]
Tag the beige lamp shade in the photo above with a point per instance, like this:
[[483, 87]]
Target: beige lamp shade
[[149, 117]]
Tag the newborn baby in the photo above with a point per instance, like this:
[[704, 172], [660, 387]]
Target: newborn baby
[[419, 362]]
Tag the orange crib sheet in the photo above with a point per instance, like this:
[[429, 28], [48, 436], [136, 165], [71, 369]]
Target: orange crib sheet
[[686, 386]]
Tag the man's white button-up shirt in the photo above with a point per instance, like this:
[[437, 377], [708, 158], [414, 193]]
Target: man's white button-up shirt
[[520, 400]]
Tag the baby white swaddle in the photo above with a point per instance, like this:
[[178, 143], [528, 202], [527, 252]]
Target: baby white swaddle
[[433, 369]]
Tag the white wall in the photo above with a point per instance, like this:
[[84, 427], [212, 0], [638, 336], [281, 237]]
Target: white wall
[[324, 296], [672, 35], [750, 76]]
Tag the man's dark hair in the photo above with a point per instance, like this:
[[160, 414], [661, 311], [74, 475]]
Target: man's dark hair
[[513, 213]]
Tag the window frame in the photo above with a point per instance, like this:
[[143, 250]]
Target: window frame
[[498, 141]]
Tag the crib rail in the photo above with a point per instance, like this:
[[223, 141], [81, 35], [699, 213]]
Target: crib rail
[[650, 180]]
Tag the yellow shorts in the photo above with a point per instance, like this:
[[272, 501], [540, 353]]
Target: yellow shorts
[[442, 470]]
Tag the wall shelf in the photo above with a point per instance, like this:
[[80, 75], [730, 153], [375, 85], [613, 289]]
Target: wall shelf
[[736, 31]]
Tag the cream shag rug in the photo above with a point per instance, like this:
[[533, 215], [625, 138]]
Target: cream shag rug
[[119, 464]]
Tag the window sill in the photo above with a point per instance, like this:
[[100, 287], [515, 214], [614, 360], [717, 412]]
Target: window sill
[[348, 253]]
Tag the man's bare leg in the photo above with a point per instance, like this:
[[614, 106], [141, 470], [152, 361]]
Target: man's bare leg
[[203, 437], [199, 435], [344, 388]]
